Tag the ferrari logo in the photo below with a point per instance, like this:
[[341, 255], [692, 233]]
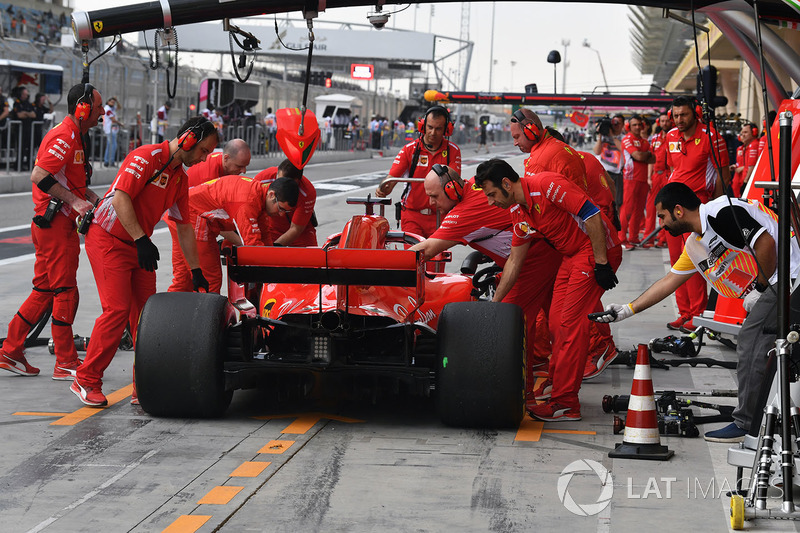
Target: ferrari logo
[[476, 188], [268, 305], [301, 144], [696, 142], [98, 26], [444, 153], [538, 209]]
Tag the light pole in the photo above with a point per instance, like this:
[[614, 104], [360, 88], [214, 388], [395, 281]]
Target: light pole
[[554, 57], [491, 51], [602, 70], [513, 64], [565, 44]]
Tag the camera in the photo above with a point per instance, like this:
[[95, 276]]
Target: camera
[[43, 221], [378, 19], [683, 347], [603, 126]]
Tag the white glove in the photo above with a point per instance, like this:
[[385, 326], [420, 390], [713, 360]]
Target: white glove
[[750, 300], [621, 312]]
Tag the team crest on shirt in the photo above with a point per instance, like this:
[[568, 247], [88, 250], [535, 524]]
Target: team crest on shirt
[[423, 160], [78, 158], [696, 142], [538, 209], [476, 188], [523, 229], [675, 146], [444, 153]]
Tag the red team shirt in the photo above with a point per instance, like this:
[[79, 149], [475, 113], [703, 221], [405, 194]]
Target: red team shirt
[[230, 203], [210, 169], [692, 162], [414, 197], [598, 189], [302, 213], [658, 146], [634, 170], [472, 222], [149, 192], [750, 154], [553, 210], [552, 155], [61, 154]]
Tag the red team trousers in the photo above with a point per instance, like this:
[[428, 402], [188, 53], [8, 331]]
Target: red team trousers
[[55, 286], [575, 295], [124, 287]]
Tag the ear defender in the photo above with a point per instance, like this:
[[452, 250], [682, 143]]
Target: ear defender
[[451, 187], [83, 108], [448, 130]]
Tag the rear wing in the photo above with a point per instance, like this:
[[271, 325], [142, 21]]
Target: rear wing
[[336, 266]]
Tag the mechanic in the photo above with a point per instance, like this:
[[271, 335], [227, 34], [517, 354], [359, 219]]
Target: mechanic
[[714, 246], [549, 152], [658, 173], [415, 160], [608, 149], [637, 154], [470, 222], [239, 209], [59, 174], [698, 157], [749, 151], [297, 227], [561, 212], [123, 258], [234, 159]]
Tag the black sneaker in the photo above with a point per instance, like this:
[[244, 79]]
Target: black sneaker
[[730, 433]]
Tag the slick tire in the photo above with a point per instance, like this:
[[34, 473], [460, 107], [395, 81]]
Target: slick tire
[[179, 355], [480, 379]]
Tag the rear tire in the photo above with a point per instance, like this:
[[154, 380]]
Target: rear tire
[[179, 355], [480, 381]]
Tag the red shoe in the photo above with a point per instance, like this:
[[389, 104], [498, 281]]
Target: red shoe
[[647, 245], [544, 390], [18, 365], [596, 364], [628, 246], [688, 326], [66, 372], [678, 322], [554, 412], [88, 395]]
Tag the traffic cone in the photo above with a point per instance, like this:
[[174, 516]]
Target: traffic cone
[[641, 439]]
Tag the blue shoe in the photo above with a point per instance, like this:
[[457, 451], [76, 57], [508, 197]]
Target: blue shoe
[[730, 433]]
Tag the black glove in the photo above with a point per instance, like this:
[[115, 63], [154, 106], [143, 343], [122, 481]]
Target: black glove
[[148, 253], [199, 280], [604, 275]]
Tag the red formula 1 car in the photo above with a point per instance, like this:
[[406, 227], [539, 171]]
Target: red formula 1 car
[[361, 307]]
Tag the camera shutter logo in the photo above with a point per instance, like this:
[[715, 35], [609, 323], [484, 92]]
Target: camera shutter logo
[[585, 509]]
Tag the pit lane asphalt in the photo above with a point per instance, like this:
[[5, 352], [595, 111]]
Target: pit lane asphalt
[[342, 464]]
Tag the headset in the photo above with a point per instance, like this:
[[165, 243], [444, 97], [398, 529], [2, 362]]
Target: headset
[[453, 189], [627, 126], [753, 129], [698, 110], [193, 135], [448, 129], [529, 129], [84, 105]]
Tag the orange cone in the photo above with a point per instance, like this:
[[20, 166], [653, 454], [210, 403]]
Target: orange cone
[[641, 439]]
